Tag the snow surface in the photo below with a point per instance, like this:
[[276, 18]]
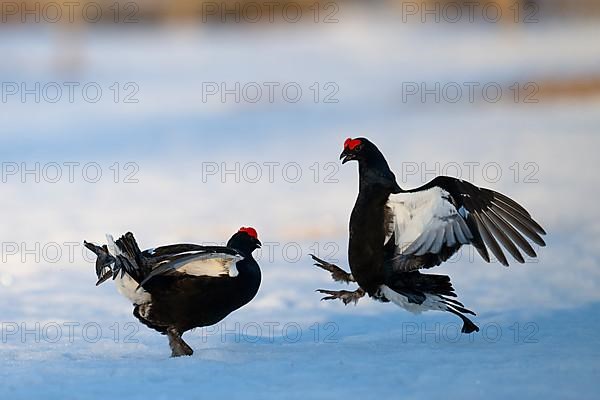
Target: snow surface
[[392, 355]]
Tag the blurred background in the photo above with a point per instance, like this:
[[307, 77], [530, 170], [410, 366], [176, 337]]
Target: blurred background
[[182, 121]]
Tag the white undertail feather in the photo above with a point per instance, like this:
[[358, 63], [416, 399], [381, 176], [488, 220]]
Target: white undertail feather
[[112, 246], [128, 287], [125, 284], [432, 301]]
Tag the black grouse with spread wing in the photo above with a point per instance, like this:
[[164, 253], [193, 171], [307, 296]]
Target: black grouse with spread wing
[[179, 287], [394, 233]]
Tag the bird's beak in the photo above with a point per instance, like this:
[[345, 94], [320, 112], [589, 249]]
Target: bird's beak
[[346, 156], [258, 243]]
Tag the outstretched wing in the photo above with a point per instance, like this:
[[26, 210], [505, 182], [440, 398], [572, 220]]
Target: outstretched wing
[[427, 225], [191, 259]]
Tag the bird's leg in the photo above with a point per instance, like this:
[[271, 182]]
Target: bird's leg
[[344, 295], [177, 345], [337, 274]]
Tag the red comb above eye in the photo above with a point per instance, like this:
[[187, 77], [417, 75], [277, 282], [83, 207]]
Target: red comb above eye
[[250, 231], [351, 144]]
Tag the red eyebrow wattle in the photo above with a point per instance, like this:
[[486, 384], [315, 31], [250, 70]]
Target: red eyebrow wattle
[[351, 144], [250, 231]]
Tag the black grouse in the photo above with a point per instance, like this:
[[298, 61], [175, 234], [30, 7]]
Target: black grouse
[[395, 232], [180, 287]]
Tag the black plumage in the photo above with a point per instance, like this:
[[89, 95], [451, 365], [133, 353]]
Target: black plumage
[[394, 233], [180, 287]]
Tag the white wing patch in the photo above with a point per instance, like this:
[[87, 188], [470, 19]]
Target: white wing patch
[[196, 263], [223, 265], [200, 264], [425, 221]]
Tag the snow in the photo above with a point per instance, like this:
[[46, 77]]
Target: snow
[[390, 355]]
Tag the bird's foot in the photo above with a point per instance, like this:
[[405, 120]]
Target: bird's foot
[[337, 274], [344, 295], [178, 346], [181, 350]]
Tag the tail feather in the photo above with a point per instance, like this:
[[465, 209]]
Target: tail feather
[[129, 258], [452, 301], [418, 284], [459, 309], [468, 325], [112, 246], [456, 305], [120, 256], [104, 261], [423, 292], [128, 246]]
